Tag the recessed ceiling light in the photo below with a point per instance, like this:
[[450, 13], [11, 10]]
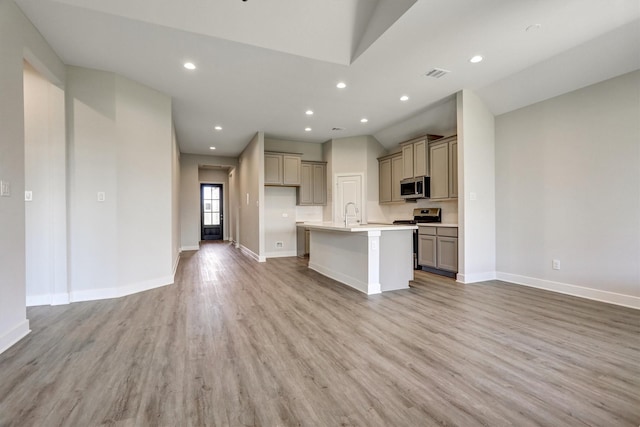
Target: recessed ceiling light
[[212, 148], [189, 66], [341, 85], [218, 128], [404, 98], [364, 120], [307, 129], [309, 113], [476, 59]]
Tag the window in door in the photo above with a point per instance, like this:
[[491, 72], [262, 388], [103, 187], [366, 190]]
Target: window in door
[[211, 211]]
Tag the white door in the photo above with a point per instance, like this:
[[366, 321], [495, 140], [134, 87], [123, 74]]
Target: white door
[[349, 189]]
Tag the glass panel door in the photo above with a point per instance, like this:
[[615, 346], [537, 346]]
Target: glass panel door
[[211, 211]]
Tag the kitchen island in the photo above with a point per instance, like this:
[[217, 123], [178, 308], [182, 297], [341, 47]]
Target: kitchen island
[[371, 258]]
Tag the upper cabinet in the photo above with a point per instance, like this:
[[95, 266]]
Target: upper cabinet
[[390, 169], [282, 169], [415, 158], [313, 186], [443, 164]]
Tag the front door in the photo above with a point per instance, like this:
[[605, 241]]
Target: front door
[[211, 211]]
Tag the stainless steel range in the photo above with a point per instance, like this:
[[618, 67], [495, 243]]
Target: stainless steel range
[[420, 216]]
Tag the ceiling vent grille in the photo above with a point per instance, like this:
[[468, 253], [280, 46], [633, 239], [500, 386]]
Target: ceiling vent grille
[[436, 73], [337, 129]]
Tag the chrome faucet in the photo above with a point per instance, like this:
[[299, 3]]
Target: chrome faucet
[[346, 211]]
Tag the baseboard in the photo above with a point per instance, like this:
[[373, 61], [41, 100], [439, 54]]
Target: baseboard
[[190, 248], [47, 299], [14, 335], [476, 277], [36, 300], [175, 267], [252, 254], [574, 290], [60, 299], [121, 291], [281, 254]]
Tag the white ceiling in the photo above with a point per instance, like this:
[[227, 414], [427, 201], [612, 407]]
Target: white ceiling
[[262, 63]]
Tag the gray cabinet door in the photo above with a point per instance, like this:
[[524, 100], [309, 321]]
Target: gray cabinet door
[[319, 184], [427, 250], [313, 184], [384, 181], [396, 177], [273, 169], [439, 159], [407, 161], [306, 185], [453, 168], [448, 253], [420, 164], [291, 170]]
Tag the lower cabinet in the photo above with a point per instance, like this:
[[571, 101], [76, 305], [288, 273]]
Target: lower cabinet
[[438, 247]]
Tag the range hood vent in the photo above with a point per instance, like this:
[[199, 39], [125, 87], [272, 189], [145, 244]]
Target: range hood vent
[[436, 73]]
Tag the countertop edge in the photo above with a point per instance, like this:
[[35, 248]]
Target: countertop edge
[[356, 229]]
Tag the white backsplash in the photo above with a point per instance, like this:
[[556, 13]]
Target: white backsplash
[[309, 213], [405, 210]]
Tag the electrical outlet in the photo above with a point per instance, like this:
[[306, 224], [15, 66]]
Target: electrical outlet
[[279, 244], [555, 264]]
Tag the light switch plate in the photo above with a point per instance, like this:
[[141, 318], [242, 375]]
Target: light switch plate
[[28, 196], [101, 196], [5, 189]]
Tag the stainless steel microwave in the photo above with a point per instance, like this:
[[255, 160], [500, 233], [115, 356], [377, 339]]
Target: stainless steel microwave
[[415, 188]]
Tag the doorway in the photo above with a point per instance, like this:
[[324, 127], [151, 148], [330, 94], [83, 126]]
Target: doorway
[[349, 189], [211, 218]]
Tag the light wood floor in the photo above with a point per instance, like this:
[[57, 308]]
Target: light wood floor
[[238, 343]]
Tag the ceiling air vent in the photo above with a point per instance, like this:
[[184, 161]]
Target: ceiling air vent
[[337, 129], [436, 73]]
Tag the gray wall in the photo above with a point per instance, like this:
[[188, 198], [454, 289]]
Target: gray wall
[[476, 190], [281, 212], [568, 188], [356, 155], [280, 221], [18, 39], [251, 197], [121, 143], [175, 199], [45, 178], [309, 151]]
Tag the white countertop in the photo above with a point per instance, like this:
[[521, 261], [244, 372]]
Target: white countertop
[[438, 224], [354, 228]]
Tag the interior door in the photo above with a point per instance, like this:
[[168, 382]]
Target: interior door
[[349, 190], [211, 212]]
